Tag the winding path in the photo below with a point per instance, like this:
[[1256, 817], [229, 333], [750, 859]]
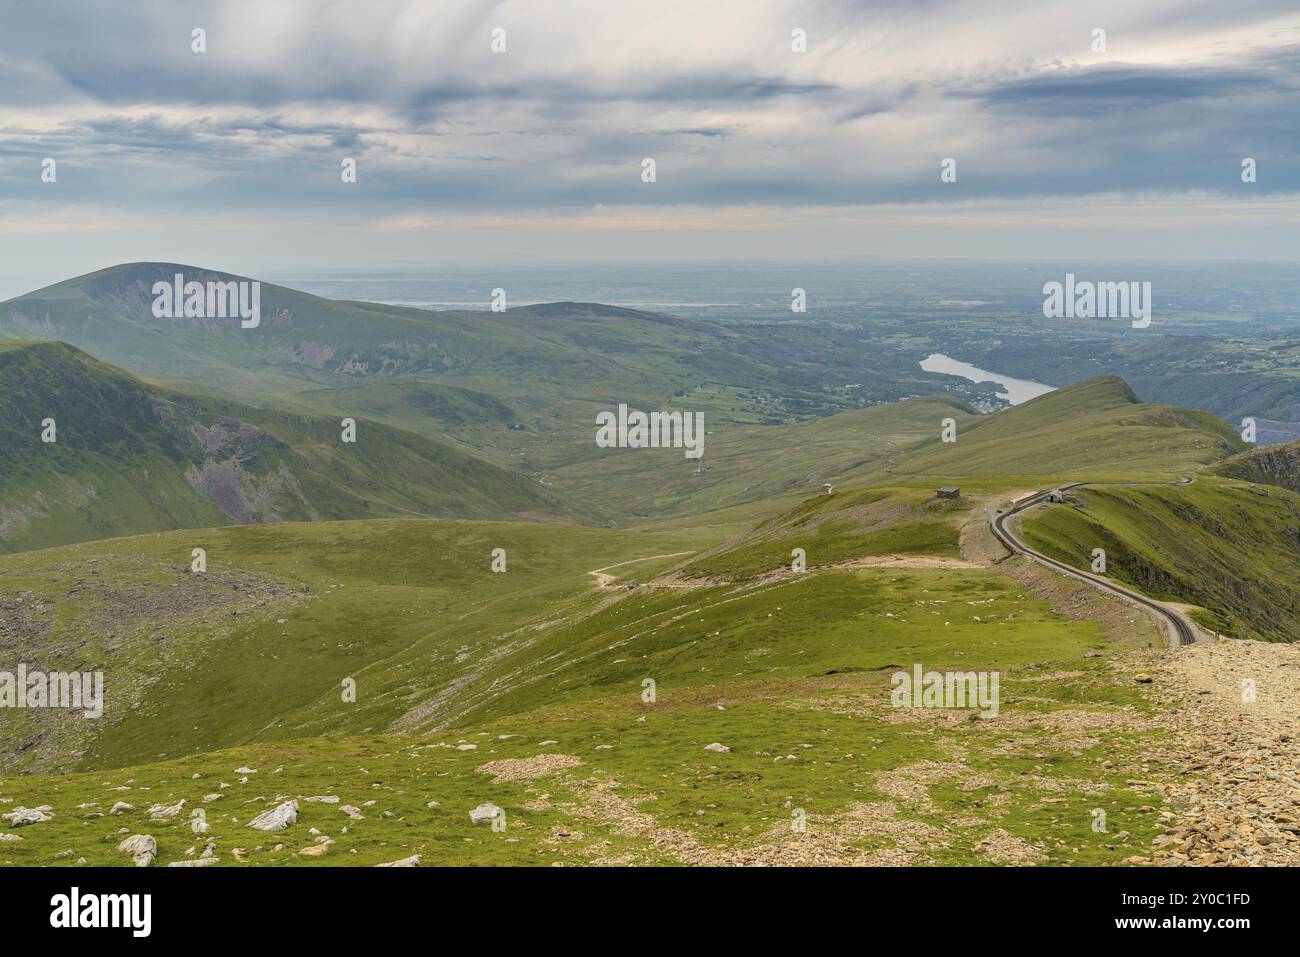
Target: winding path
[[1183, 631], [605, 580]]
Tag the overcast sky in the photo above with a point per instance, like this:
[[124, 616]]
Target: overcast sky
[[231, 158]]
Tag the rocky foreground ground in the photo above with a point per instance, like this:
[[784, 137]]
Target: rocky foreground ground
[[1233, 711]]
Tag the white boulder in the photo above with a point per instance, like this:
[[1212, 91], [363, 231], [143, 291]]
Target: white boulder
[[277, 819]]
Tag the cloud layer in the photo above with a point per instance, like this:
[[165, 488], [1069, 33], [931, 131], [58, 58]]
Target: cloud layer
[[445, 131]]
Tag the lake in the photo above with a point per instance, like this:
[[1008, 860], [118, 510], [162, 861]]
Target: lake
[[1014, 391]]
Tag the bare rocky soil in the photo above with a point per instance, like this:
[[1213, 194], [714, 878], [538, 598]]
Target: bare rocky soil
[[1234, 720], [135, 620], [1233, 713]]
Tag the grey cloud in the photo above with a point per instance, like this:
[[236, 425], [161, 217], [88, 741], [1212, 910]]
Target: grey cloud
[[727, 128], [1087, 91]]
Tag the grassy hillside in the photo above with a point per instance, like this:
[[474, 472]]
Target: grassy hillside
[[528, 688], [537, 678], [213, 460], [749, 464], [553, 352], [130, 457], [385, 663], [1093, 430], [257, 646], [472, 420], [1271, 465], [1229, 547], [520, 388], [842, 527]]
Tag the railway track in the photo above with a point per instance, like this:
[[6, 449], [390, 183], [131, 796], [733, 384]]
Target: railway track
[[1182, 630]]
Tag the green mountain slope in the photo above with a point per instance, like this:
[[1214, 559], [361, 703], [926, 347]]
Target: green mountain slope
[[528, 689], [842, 527], [520, 388], [558, 348], [413, 676], [741, 464], [1270, 465], [887, 503], [258, 645], [1231, 548], [131, 457], [385, 662], [1093, 430]]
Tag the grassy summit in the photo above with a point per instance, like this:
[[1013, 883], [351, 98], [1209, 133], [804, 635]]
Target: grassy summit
[[1093, 430]]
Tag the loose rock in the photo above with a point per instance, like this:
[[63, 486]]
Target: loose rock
[[276, 819]]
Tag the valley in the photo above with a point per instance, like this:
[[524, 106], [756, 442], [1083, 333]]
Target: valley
[[674, 662]]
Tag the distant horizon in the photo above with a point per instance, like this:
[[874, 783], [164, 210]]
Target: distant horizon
[[15, 283], [962, 132]]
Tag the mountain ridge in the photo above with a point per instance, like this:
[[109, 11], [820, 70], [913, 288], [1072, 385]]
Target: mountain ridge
[[130, 456]]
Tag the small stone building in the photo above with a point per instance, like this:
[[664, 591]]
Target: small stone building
[[949, 491]]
